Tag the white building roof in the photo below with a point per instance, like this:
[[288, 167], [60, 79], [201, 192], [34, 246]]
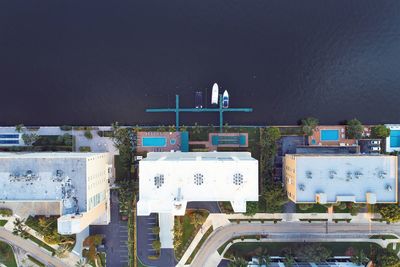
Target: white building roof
[[346, 178], [168, 180], [38, 176]]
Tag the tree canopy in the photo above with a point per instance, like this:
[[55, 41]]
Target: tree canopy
[[313, 252], [380, 131], [251, 208], [354, 129], [390, 213], [308, 125]]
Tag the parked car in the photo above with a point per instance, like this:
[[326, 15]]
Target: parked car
[[375, 148], [375, 142]]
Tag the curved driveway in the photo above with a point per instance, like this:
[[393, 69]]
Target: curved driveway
[[32, 249], [291, 230]]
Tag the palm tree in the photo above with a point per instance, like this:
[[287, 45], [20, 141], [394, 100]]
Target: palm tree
[[360, 258], [19, 127], [19, 228], [196, 219], [308, 125], [238, 262], [289, 260], [80, 263]]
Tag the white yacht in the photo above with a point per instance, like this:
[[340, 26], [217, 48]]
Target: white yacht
[[225, 99], [215, 94]]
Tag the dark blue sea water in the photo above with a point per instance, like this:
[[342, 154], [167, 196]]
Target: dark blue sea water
[[94, 62]]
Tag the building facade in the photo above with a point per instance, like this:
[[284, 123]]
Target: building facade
[[169, 180], [74, 186]]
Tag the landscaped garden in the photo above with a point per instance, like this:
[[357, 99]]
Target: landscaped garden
[[47, 227], [310, 208], [313, 252], [7, 255], [186, 228]]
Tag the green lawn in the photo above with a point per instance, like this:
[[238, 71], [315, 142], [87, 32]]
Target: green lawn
[[41, 243], [396, 250], [3, 222], [188, 232], [291, 130], [36, 261], [7, 255], [247, 249], [316, 208]]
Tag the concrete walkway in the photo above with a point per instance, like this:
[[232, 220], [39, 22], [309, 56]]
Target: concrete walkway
[[70, 257], [291, 231]]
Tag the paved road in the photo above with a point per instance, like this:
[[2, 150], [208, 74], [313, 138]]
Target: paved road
[[290, 230], [31, 248]]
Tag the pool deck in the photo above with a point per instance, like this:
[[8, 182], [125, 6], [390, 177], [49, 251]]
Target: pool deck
[[209, 144], [342, 141], [168, 135]]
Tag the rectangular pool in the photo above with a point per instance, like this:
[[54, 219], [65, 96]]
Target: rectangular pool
[[150, 141], [394, 138], [329, 135]]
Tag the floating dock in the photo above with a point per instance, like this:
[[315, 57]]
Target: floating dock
[[178, 110]]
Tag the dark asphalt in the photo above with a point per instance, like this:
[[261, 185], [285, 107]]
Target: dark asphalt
[[145, 237], [211, 206], [116, 235]]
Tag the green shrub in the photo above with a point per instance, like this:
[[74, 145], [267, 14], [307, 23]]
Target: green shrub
[[305, 207], [6, 212], [342, 206], [85, 149], [65, 128], [88, 134]]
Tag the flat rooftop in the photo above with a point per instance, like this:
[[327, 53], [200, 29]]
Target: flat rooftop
[[169, 178], [45, 177], [346, 175]]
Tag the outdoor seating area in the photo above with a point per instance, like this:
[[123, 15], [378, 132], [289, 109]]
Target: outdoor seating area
[[333, 136], [162, 141]]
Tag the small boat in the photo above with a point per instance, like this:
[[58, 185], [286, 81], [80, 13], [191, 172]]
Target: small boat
[[215, 94], [198, 99], [225, 99]]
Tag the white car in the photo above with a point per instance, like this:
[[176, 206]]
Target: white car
[[375, 148], [375, 142]]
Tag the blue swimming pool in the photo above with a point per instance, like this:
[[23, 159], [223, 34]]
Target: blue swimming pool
[[329, 135], [9, 136], [154, 141], [394, 138]]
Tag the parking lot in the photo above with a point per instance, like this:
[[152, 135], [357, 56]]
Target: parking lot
[[145, 238], [116, 235]]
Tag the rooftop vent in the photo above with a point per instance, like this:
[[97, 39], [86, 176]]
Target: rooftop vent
[[349, 176], [302, 187], [388, 187], [198, 179], [309, 174], [382, 174], [159, 180], [332, 174], [238, 178], [357, 174]]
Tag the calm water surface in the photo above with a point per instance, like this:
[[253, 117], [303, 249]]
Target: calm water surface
[[94, 62]]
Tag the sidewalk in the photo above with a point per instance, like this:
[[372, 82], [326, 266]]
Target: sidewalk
[[71, 257], [220, 220], [293, 217]]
